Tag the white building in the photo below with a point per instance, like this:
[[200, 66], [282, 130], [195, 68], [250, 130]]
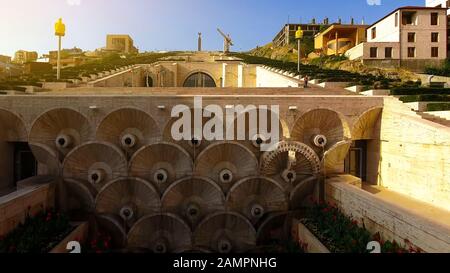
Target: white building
[[411, 37]]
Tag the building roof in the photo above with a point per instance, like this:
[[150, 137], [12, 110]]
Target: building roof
[[407, 8]]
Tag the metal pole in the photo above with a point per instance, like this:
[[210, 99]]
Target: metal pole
[[58, 65], [299, 56]]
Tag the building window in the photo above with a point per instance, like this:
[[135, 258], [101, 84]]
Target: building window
[[411, 37], [396, 19], [434, 37], [388, 52], [373, 52], [435, 52], [374, 33], [434, 19], [199, 79], [411, 52], [408, 17]]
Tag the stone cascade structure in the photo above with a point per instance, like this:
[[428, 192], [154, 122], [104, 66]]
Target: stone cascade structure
[[114, 157]]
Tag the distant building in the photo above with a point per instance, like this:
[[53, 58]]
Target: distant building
[[69, 57], [287, 33], [120, 43], [411, 37], [339, 38], [5, 59], [22, 56]]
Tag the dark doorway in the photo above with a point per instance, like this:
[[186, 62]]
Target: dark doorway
[[25, 165], [148, 81], [356, 161]]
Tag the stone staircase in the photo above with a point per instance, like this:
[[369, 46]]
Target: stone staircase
[[435, 119], [398, 106]]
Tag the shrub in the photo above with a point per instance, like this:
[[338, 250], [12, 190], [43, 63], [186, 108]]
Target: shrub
[[415, 98], [438, 107], [444, 70]]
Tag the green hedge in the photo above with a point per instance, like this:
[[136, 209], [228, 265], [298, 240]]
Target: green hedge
[[438, 107], [419, 91], [414, 98]]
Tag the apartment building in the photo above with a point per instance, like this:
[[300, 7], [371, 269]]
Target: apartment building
[[22, 56], [287, 33], [410, 37]]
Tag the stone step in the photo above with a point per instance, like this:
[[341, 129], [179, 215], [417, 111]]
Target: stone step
[[435, 119]]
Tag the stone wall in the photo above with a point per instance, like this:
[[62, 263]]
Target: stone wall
[[394, 221], [15, 206], [414, 156]]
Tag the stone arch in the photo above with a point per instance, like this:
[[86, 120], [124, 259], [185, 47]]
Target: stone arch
[[205, 73], [364, 126]]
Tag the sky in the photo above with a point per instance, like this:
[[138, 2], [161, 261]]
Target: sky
[[170, 24]]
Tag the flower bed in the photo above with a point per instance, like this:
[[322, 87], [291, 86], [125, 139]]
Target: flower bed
[[38, 234], [341, 234]]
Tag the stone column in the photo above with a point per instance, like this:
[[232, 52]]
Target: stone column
[[240, 75], [224, 74]]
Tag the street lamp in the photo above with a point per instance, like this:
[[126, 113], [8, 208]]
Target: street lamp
[[299, 36], [60, 31]]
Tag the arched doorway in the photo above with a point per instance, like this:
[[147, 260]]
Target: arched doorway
[[199, 79]]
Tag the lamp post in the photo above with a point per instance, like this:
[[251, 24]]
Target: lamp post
[[299, 36], [60, 31]]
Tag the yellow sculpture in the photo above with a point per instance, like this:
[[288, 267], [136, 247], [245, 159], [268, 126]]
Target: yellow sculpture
[[299, 33], [60, 28]]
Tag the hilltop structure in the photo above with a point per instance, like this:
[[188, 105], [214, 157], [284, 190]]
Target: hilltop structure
[[120, 43]]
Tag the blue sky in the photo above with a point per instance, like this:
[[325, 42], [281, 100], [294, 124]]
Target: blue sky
[[169, 24]]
